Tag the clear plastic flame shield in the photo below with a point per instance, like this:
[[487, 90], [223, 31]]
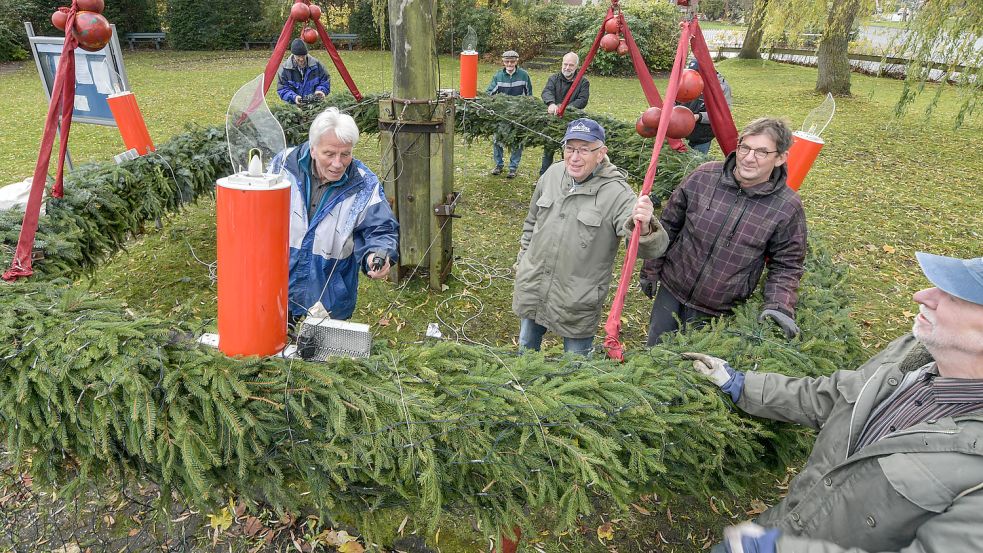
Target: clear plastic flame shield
[[819, 118], [250, 125], [470, 45]]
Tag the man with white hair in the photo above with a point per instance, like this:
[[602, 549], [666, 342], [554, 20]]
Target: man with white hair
[[556, 90], [580, 212], [898, 462], [340, 220]]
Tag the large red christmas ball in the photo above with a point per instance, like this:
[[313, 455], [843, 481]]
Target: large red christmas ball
[[681, 122], [611, 26], [309, 35], [690, 86], [651, 116], [643, 131], [315, 12], [622, 48], [60, 18], [91, 5], [92, 31], [300, 12], [609, 42]]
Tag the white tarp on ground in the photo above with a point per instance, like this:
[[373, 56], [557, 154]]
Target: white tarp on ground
[[14, 196]]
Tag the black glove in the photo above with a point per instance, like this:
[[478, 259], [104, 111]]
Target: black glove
[[786, 323], [656, 200], [647, 287]]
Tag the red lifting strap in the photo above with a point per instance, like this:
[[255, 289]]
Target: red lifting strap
[[613, 325], [721, 121], [642, 70], [280, 49], [63, 100]]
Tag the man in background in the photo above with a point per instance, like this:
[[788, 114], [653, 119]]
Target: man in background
[[556, 90], [511, 80], [302, 78]]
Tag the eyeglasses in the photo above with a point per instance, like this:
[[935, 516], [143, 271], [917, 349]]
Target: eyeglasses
[[759, 153], [570, 150]]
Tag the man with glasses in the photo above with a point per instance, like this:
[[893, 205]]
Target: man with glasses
[[581, 210], [556, 90], [511, 80], [726, 222]]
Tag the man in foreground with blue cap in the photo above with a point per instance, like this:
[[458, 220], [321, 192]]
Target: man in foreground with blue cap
[[898, 462], [581, 210]]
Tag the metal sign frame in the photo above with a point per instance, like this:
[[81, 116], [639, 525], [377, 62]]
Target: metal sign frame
[[93, 84]]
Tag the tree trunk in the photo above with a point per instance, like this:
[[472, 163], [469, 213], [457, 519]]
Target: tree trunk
[[755, 28], [834, 67]]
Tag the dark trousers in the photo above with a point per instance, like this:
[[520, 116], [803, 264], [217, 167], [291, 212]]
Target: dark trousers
[[548, 154], [667, 313]]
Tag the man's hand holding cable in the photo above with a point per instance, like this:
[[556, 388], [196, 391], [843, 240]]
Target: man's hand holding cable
[[377, 269]]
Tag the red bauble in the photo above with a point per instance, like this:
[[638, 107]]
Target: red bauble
[[92, 31], [643, 131], [60, 18], [609, 42], [611, 26], [681, 122], [309, 35], [651, 116], [622, 48], [690, 86], [315, 12], [300, 12], [91, 5]]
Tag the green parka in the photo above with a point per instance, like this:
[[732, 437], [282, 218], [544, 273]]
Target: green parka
[[567, 248], [916, 490]]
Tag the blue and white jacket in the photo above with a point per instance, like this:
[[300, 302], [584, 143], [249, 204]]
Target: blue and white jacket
[[327, 251]]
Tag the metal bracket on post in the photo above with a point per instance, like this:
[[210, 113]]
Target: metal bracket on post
[[446, 209]]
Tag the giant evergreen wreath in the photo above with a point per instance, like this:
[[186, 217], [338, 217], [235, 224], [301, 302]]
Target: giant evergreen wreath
[[89, 388]]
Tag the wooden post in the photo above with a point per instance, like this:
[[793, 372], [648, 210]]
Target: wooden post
[[417, 140]]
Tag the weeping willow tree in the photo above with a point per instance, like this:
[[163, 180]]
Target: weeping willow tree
[[834, 19], [945, 43]]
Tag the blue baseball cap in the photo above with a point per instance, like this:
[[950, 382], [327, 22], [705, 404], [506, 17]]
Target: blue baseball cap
[[584, 129], [962, 278], [693, 64]]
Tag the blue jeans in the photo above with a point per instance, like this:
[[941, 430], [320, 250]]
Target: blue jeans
[[702, 148], [531, 337], [498, 152], [548, 154]]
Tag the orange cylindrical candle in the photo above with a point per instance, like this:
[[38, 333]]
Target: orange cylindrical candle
[[253, 260]]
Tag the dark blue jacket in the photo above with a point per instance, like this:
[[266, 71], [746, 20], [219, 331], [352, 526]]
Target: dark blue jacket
[[296, 82]]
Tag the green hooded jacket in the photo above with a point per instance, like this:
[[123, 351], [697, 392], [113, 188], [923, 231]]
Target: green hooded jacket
[[915, 490], [569, 240]]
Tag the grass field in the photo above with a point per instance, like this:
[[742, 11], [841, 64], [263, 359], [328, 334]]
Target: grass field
[[882, 189]]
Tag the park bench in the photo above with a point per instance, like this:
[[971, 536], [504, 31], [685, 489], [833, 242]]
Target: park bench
[[133, 38], [347, 39], [271, 42]]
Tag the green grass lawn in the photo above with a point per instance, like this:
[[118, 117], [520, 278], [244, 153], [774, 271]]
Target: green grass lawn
[[882, 189]]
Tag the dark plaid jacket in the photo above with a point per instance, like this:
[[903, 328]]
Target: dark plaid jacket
[[720, 236]]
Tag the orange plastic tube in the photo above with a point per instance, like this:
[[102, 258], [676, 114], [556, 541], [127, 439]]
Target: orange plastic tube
[[253, 260], [469, 74], [803, 153], [130, 121]]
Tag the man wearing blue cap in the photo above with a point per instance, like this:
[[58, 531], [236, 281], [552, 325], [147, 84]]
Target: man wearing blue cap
[[581, 210], [302, 78], [898, 462]]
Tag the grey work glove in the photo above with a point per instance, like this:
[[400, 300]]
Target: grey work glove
[[714, 368], [786, 323], [647, 287]]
